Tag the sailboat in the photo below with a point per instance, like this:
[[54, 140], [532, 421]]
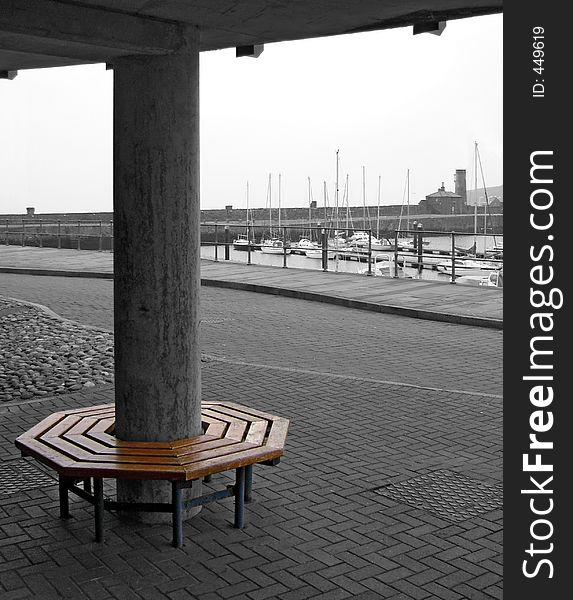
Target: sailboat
[[274, 245], [468, 266], [243, 240], [317, 253], [496, 252], [361, 238], [338, 242], [403, 242], [383, 244], [305, 243], [407, 242]]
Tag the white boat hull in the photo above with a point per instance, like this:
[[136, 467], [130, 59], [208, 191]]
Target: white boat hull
[[382, 247], [412, 260], [270, 250], [468, 268], [317, 254], [304, 247]]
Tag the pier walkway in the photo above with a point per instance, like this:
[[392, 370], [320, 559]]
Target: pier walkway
[[425, 299]]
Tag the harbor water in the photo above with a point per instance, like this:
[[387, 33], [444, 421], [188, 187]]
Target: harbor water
[[442, 243]]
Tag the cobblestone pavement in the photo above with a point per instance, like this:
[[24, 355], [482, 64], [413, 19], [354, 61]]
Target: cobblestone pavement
[[396, 494], [41, 355]]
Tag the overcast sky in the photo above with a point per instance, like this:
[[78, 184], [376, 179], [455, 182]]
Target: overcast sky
[[388, 101]]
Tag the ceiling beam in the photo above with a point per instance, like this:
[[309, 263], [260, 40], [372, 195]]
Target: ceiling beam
[[82, 33], [428, 16]]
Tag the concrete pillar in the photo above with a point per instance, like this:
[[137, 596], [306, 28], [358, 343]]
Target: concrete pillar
[[156, 251]]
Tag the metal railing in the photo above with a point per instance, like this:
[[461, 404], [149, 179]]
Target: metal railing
[[222, 234], [98, 235], [454, 254], [80, 234]]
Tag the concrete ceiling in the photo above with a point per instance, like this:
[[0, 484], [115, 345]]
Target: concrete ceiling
[[47, 33]]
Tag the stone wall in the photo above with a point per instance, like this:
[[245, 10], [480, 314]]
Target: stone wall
[[388, 222]]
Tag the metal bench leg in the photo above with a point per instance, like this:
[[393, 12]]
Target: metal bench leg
[[248, 483], [207, 479], [98, 505], [176, 501], [64, 499], [88, 485], [240, 498]]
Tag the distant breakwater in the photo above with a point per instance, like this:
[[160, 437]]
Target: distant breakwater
[[44, 227], [386, 225]]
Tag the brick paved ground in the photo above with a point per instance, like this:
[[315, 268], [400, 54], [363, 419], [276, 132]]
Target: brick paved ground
[[317, 528]]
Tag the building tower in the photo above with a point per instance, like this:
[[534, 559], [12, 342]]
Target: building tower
[[461, 190]]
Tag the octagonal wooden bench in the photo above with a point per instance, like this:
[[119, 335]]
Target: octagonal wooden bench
[[80, 446]]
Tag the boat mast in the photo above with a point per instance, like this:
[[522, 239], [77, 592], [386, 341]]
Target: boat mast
[[309, 210], [485, 205], [378, 210], [279, 203], [336, 196], [247, 217], [475, 198], [408, 198], [363, 197], [336, 224], [269, 195], [402, 205], [484, 219], [325, 207], [346, 193]]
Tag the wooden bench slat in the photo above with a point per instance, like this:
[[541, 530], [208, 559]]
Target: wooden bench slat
[[43, 453], [216, 429], [101, 433], [221, 418], [236, 430], [205, 418], [124, 471], [257, 432], [83, 426], [40, 427], [74, 452], [94, 446], [59, 428], [104, 424], [210, 445], [112, 442], [278, 433], [226, 450], [225, 463]]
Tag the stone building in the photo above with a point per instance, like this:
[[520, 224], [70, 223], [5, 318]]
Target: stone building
[[442, 202]]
